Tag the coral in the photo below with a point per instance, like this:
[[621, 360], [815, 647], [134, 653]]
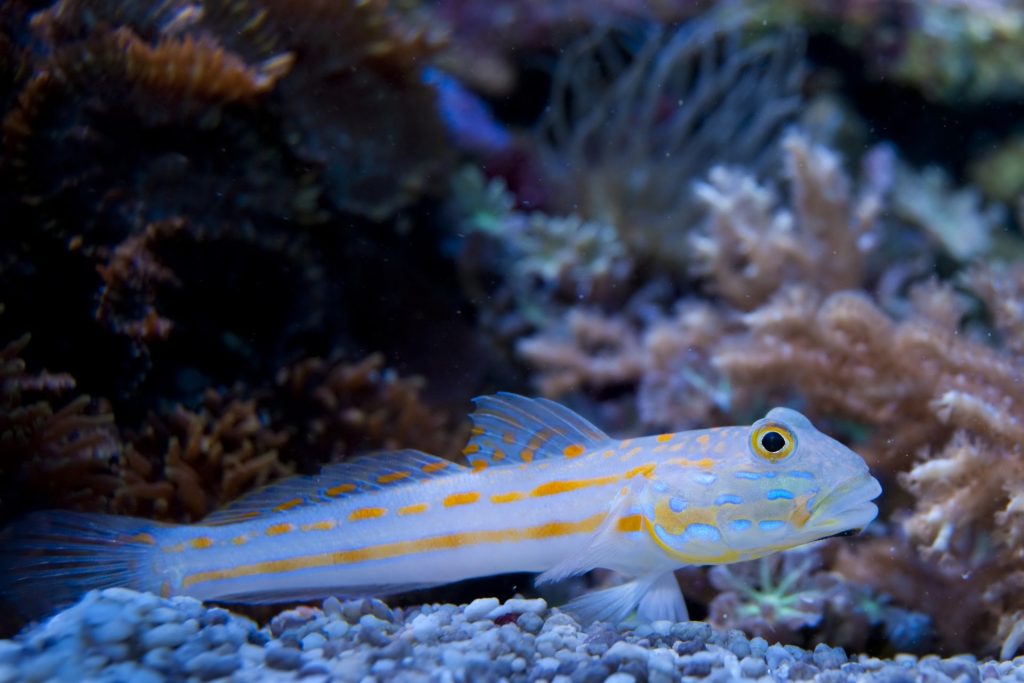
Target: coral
[[999, 172], [955, 217], [632, 121], [665, 367], [791, 597], [940, 406], [183, 463], [750, 247], [774, 597], [386, 145], [186, 463], [54, 451], [547, 262], [331, 410]]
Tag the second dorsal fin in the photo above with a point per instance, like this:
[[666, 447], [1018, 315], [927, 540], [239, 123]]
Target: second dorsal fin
[[508, 428], [340, 480]]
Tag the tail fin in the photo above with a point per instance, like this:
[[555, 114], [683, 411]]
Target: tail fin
[[50, 559]]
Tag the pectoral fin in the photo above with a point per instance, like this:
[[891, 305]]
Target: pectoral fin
[[647, 598]]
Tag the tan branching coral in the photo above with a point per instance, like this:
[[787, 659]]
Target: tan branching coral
[[336, 409], [186, 463], [667, 364], [750, 246], [942, 406], [53, 451]]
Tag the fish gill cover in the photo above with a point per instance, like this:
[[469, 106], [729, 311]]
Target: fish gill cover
[[247, 238]]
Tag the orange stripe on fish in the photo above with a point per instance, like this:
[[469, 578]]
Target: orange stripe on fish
[[399, 548]]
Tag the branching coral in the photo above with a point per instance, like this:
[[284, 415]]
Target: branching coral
[[667, 365], [955, 217], [184, 464], [335, 409], [925, 388], [750, 246], [53, 451]]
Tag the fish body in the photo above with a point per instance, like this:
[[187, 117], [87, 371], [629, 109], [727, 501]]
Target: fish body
[[543, 491]]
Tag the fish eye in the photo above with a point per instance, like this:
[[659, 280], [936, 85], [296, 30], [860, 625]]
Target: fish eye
[[772, 441]]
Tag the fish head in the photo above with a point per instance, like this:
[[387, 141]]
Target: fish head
[[776, 484]]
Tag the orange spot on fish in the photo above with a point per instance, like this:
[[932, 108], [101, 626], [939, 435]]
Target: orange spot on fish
[[392, 477], [630, 453], [240, 540], [340, 489], [201, 543], [704, 439], [498, 456], [573, 450], [278, 529], [508, 437], [477, 431], [143, 538], [413, 509], [629, 523], [471, 449], [662, 438], [288, 504], [510, 497], [366, 513], [165, 589], [432, 467], [526, 454], [702, 463], [641, 471], [479, 465], [325, 525], [461, 499], [719, 447]]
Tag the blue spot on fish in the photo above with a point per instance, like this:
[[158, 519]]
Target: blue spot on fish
[[800, 474], [660, 486], [748, 475], [768, 475], [728, 499], [676, 504], [776, 494], [770, 524], [740, 524], [702, 532], [705, 478]]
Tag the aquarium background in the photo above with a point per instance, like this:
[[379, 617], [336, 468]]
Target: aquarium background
[[245, 238]]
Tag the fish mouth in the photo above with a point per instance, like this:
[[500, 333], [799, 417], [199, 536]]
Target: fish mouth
[[847, 507]]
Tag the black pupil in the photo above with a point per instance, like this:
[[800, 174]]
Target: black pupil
[[773, 442]]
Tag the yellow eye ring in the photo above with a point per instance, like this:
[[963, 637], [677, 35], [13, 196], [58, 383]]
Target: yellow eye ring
[[772, 441]]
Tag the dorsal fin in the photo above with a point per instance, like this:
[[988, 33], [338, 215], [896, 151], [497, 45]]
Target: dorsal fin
[[512, 428], [359, 475]]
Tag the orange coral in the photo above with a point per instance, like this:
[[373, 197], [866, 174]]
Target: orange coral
[[339, 409], [51, 456], [185, 464]]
